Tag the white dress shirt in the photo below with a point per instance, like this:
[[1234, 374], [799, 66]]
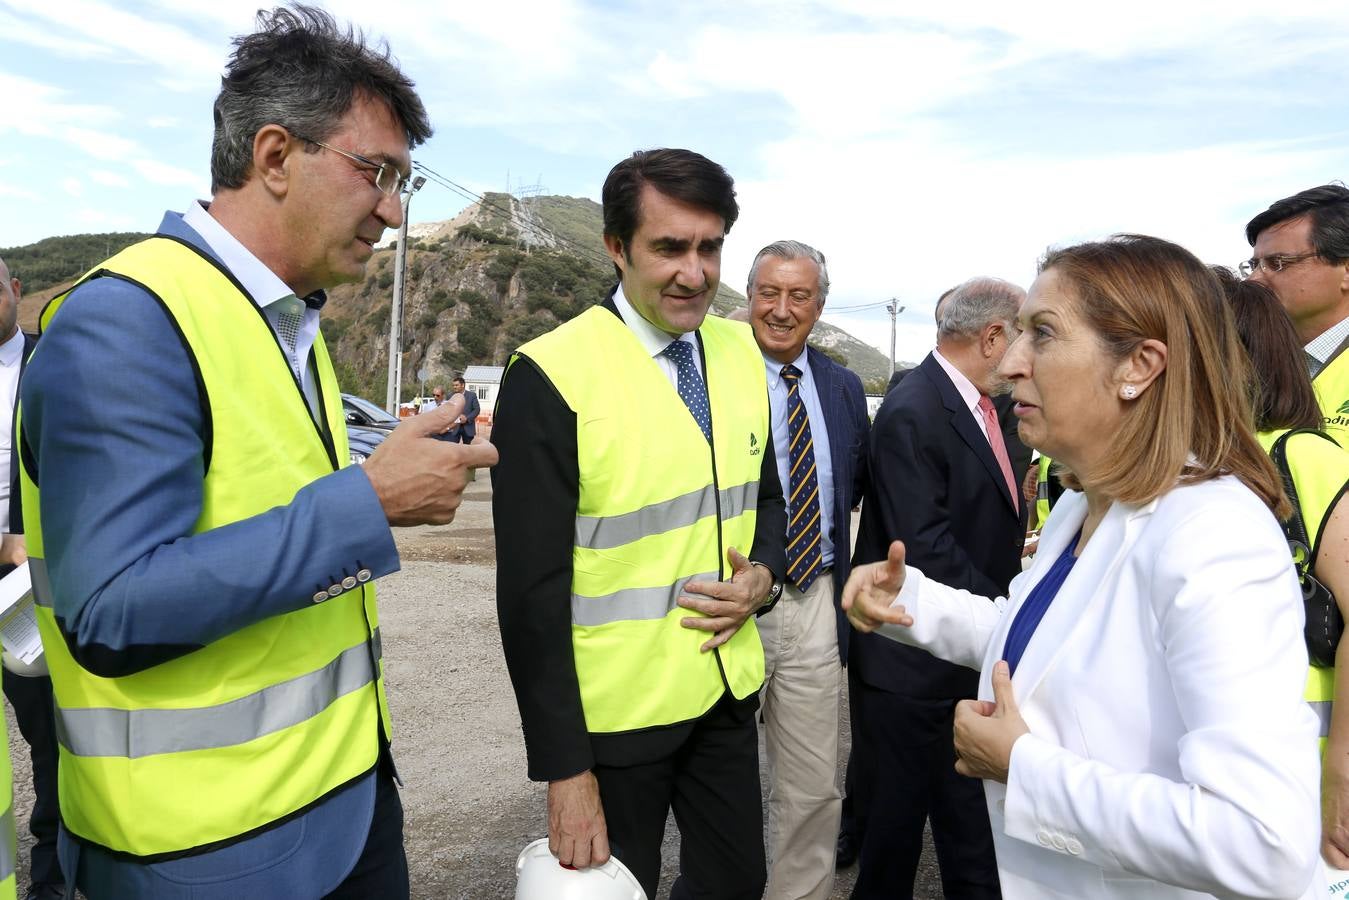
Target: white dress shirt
[[968, 392], [654, 340], [11, 360], [265, 289], [819, 436]]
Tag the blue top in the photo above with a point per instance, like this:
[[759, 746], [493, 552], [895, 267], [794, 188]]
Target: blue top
[[1037, 604], [819, 435], [120, 458]]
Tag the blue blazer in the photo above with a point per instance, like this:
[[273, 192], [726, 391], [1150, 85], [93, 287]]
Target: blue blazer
[[845, 418]]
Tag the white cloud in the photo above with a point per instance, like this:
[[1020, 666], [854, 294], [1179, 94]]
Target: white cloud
[[144, 39], [173, 176], [106, 221], [73, 187], [108, 179]]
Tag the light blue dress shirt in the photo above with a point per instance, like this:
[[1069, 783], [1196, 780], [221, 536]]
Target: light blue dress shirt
[[819, 434]]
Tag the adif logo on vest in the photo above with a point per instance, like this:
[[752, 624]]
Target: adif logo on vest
[[753, 445], [1344, 409]]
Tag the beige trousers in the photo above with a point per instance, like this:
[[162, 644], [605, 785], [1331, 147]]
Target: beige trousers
[[800, 699]]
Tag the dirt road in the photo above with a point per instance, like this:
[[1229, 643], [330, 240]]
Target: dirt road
[[457, 740]]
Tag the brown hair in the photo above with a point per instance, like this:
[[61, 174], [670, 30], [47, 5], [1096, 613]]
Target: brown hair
[[1131, 288], [1284, 397]]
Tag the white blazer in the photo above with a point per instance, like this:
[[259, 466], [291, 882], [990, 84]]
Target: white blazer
[[1170, 751]]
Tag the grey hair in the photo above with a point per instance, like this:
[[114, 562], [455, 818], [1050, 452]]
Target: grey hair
[[974, 305], [301, 71], [791, 250]]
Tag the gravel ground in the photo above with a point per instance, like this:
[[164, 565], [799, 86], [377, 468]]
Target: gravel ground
[[469, 808]]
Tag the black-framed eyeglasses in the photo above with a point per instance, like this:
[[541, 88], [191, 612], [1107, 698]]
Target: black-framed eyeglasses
[[388, 179], [1275, 262]]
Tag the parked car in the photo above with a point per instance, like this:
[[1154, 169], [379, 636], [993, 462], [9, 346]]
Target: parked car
[[363, 441], [361, 412]]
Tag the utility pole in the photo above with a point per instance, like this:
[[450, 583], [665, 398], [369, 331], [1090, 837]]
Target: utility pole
[[894, 309], [394, 394]]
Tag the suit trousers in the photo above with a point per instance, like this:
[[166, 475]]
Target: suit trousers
[[35, 713], [800, 703], [911, 768], [711, 781]]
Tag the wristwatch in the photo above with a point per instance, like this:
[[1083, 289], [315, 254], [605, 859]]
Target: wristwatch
[[774, 593]]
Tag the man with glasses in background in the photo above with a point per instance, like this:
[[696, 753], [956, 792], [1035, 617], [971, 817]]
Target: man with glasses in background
[[203, 570], [1301, 252]]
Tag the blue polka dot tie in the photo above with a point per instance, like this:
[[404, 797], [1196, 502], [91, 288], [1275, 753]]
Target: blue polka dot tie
[[691, 388], [805, 561]]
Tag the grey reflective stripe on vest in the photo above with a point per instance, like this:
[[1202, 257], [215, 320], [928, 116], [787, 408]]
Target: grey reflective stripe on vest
[[1042, 490], [134, 733], [1322, 709], [9, 844], [632, 604], [607, 532], [42, 585]]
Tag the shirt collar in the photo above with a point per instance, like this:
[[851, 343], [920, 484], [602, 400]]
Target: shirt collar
[[968, 392], [1322, 347], [11, 351], [774, 368], [652, 338], [260, 282]]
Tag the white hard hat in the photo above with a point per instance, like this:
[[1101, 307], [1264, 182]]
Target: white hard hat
[[542, 877]]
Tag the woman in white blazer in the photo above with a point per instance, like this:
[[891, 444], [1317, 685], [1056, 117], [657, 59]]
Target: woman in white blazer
[[1151, 740]]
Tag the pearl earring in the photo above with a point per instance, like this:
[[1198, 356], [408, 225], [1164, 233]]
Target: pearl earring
[[1128, 392]]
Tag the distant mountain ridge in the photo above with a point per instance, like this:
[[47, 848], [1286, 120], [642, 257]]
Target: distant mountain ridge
[[478, 286]]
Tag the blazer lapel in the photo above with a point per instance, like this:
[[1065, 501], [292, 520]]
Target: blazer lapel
[[1090, 582], [830, 391], [962, 421]]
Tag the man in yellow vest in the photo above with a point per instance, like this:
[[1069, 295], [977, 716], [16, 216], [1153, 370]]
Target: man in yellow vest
[[1301, 252], [639, 526], [202, 553]]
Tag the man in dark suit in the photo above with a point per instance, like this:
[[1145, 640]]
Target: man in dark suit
[[30, 695], [943, 481], [639, 526], [820, 422], [468, 420]]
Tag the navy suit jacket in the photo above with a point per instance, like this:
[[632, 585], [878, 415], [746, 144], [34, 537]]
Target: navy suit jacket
[[845, 418], [471, 410], [936, 486]]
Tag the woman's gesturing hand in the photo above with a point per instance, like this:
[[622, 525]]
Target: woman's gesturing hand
[[872, 588]]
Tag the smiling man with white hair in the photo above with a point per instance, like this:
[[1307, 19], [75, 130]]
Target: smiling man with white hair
[[820, 426]]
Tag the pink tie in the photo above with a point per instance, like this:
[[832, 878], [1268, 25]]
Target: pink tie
[[995, 441]]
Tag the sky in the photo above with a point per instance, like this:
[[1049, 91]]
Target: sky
[[916, 145]]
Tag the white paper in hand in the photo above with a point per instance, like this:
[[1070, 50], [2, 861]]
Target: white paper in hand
[[18, 617]]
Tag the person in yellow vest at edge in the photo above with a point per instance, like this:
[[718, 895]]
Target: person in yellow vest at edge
[[1320, 472], [204, 567], [9, 844], [639, 525], [1301, 252]]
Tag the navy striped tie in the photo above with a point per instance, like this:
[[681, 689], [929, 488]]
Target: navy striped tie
[[805, 561], [691, 388]]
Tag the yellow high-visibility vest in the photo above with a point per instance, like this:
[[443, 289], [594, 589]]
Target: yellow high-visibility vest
[[1331, 385], [657, 508], [1042, 503], [1320, 472], [266, 721]]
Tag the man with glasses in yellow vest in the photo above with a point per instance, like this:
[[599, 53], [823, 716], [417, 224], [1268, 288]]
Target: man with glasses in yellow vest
[[1301, 252], [202, 554], [639, 526]]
